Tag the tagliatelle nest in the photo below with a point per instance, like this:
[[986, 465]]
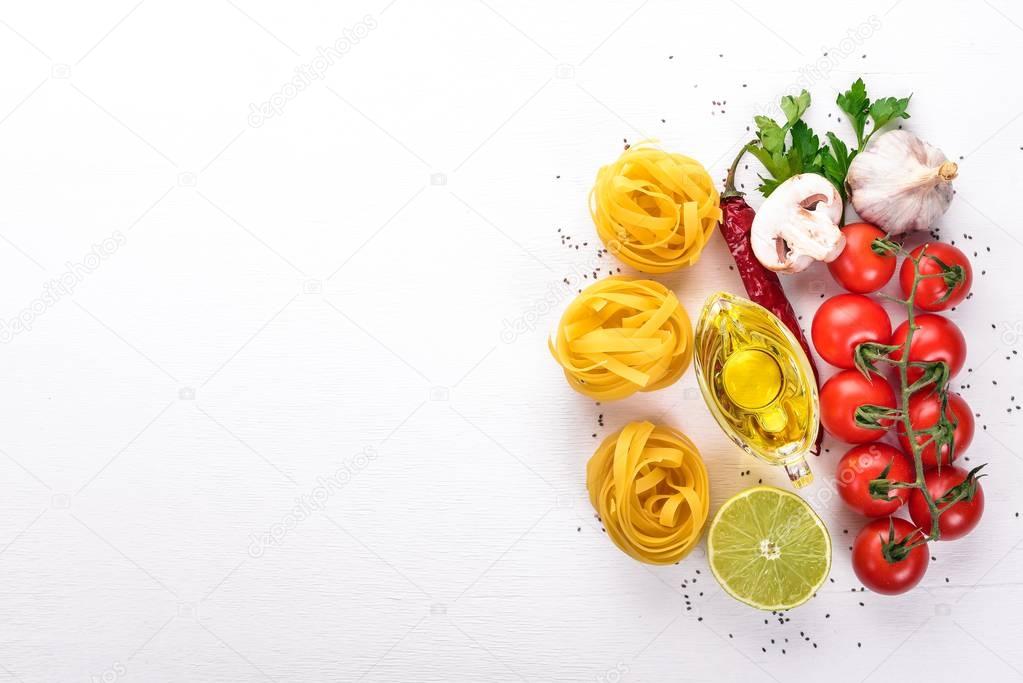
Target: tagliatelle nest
[[650, 488], [622, 335], [653, 209]]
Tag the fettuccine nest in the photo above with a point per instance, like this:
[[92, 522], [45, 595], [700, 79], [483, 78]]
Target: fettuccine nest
[[654, 210], [622, 335], [650, 488]]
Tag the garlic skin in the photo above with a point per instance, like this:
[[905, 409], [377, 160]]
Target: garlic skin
[[901, 183]]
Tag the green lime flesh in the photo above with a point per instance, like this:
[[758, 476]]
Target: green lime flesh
[[769, 549]]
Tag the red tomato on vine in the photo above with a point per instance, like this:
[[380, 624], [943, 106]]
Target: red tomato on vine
[[859, 269], [864, 463], [844, 321], [936, 339], [958, 518], [843, 394], [938, 293], [924, 409], [875, 571]]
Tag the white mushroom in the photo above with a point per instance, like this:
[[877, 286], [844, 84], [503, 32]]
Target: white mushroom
[[798, 224]]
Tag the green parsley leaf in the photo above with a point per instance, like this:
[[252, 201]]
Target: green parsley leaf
[[855, 103], [768, 185], [886, 110], [770, 134], [795, 107], [777, 166], [805, 153], [802, 155], [836, 162]]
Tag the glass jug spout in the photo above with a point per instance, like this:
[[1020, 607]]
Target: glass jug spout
[[799, 473]]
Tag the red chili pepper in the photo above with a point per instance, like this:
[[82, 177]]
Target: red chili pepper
[[762, 285]]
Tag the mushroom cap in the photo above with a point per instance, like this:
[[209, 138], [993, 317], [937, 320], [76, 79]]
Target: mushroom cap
[[798, 224]]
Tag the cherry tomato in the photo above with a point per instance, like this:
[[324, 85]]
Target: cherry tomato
[[877, 573], [959, 519], [936, 338], [924, 408], [930, 290], [844, 321], [843, 394], [858, 269], [865, 462]]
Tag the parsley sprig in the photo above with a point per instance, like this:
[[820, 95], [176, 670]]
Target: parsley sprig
[[792, 148], [858, 106], [802, 155]]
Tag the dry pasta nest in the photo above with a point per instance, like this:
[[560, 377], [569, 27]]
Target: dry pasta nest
[[650, 488], [622, 335], [653, 209]]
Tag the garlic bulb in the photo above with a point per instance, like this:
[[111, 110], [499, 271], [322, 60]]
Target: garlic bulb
[[901, 183]]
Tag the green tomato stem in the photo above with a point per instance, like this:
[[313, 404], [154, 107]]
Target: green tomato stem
[[911, 434], [907, 389]]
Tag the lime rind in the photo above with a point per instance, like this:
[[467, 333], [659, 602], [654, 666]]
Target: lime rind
[[769, 549]]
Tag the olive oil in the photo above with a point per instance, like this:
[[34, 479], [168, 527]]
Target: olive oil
[[757, 382]]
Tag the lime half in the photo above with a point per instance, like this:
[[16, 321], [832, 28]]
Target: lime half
[[769, 549]]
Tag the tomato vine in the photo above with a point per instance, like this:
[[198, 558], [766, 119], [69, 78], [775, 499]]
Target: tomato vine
[[935, 375]]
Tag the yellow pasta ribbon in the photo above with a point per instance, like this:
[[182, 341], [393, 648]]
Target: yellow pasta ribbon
[[653, 209], [622, 335], [651, 490]]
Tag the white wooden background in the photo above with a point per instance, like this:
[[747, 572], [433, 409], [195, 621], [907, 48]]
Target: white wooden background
[[281, 407]]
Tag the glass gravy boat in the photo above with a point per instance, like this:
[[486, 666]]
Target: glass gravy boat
[[758, 383]]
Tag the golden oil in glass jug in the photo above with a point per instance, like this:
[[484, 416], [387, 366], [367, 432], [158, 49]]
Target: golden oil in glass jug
[[757, 382]]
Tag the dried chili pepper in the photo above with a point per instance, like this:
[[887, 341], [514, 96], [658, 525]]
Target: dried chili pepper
[[762, 285]]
